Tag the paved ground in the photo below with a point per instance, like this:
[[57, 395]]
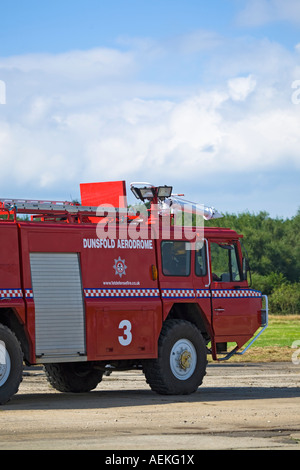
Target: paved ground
[[239, 406]]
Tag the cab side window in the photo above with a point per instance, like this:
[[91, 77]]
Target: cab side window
[[224, 262], [176, 258]]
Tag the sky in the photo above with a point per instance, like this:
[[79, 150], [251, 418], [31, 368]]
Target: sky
[[203, 96]]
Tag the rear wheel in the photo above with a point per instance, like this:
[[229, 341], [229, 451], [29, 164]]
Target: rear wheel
[[75, 377], [181, 363], [11, 364]]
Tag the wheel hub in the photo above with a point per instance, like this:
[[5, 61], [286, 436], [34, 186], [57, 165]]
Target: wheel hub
[[183, 359]]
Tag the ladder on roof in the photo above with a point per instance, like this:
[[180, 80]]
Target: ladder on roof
[[42, 208]]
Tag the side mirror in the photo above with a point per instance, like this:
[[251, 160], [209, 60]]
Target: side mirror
[[246, 270]]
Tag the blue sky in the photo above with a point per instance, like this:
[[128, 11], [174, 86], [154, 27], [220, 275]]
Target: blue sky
[[201, 95], [53, 26]]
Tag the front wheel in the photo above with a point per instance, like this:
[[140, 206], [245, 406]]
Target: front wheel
[[181, 363]]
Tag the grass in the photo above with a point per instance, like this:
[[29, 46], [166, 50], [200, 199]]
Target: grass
[[282, 331], [275, 343]]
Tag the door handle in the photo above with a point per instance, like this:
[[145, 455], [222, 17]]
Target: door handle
[[219, 309]]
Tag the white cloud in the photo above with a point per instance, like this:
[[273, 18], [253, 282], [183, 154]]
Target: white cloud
[[197, 41], [265, 141], [74, 65], [260, 12], [241, 87]]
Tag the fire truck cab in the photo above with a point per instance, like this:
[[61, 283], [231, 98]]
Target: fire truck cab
[[86, 292]]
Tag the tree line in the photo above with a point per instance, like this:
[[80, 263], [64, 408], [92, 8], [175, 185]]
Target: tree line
[[273, 248]]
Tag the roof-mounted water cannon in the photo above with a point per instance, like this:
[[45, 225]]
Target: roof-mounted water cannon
[[171, 203], [179, 204]]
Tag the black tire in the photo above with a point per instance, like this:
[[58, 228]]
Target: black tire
[[182, 359], [74, 377], [11, 364]]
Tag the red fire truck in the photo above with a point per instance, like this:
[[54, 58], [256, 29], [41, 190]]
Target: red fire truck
[[85, 303]]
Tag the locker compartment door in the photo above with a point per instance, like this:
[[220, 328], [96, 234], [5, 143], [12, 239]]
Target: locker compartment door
[[59, 307]]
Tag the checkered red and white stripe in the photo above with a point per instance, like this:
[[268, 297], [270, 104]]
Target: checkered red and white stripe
[[165, 293], [203, 293], [206, 293], [11, 293], [28, 293], [235, 293], [172, 293], [178, 293], [94, 293]]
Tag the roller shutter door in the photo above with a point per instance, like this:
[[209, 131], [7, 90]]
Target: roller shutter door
[[59, 308]]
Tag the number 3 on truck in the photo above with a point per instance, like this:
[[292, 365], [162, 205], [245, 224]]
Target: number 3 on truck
[[126, 338]]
